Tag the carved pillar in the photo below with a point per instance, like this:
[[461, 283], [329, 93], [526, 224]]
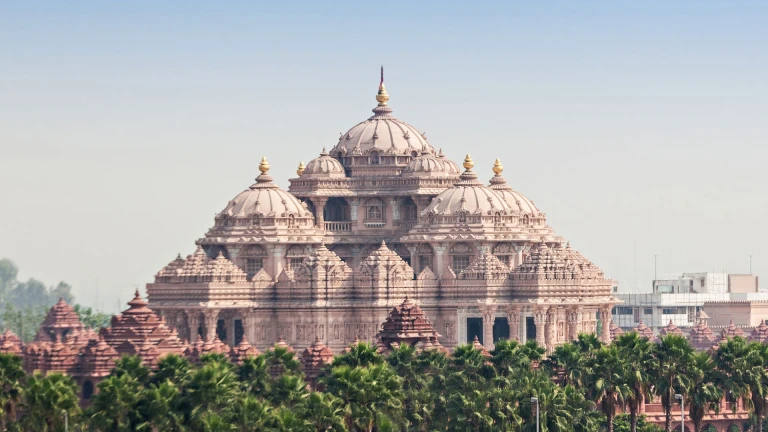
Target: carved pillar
[[574, 320], [230, 323], [551, 329], [439, 258], [193, 321], [489, 317], [211, 318], [247, 322], [414, 258], [319, 203], [354, 205], [395, 204], [278, 258], [605, 325], [513, 317], [540, 320]]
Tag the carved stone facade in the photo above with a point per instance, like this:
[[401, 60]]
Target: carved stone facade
[[380, 217]]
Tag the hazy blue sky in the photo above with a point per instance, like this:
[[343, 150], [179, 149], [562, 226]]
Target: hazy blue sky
[[639, 127]]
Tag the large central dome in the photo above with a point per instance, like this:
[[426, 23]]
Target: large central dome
[[381, 133]]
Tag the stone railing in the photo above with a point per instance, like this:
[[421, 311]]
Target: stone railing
[[339, 226]]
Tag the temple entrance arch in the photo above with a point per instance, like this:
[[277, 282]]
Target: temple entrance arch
[[336, 209], [530, 329], [474, 328], [500, 329]]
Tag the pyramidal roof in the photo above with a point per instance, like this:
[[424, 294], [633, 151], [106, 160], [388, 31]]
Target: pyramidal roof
[[406, 324], [198, 267]]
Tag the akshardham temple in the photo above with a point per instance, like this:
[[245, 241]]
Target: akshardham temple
[[383, 215]]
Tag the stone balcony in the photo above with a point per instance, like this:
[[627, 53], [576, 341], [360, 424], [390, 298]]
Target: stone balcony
[[338, 226]]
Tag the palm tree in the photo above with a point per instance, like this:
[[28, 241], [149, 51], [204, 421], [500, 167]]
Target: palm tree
[[12, 378], [173, 368], [279, 360], [584, 417], [361, 354], [509, 357], [324, 412], [160, 408], [671, 361], [252, 414], [114, 407], [212, 388], [133, 366], [638, 354], [743, 373], [703, 394], [254, 376], [47, 399], [289, 390], [533, 351], [369, 393], [567, 363], [609, 387], [554, 412]]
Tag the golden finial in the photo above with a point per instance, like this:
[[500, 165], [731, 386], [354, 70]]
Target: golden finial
[[300, 169], [468, 163], [382, 97], [264, 165], [498, 167]]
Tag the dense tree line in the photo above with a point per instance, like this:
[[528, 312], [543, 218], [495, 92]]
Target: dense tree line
[[579, 388], [23, 305]]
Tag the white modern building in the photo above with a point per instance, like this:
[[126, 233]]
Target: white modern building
[[677, 298]]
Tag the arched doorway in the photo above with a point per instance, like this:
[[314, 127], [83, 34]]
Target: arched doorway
[[87, 389]]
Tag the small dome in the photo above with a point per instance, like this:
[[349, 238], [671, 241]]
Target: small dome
[[429, 165], [469, 196], [516, 200], [381, 132], [324, 166], [265, 198]]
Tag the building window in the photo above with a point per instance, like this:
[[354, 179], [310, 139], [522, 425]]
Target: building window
[[674, 310], [462, 217], [374, 158], [648, 311], [295, 262], [460, 262], [253, 265], [374, 213], [255, 220], [411, 213], [623, 310], [504, 259], [291, 221], [424, 262]]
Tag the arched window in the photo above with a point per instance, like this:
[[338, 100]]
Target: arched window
[[255, 220], [374, 158], [291, 221], [461, 254], [253, 258], [463, 217], [374, 210], [497, 217]]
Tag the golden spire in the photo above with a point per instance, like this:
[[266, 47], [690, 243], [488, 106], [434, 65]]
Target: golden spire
[[468, 163], [382, 97], [264, 165], [300, 169], [498, 167]]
